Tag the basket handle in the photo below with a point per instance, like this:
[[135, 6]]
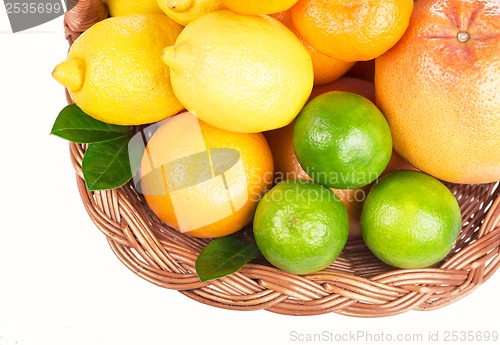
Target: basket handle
[[82, 16]]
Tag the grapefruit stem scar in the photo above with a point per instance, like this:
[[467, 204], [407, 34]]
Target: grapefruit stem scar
[[438, 89], [463, 36]]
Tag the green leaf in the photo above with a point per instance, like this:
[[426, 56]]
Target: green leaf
[[106, 164], [74, 125], [223, 256]]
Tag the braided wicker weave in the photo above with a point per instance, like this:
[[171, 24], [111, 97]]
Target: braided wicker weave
[[356, 284]]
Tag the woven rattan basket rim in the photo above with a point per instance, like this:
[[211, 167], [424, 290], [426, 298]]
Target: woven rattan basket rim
[[357, 284]]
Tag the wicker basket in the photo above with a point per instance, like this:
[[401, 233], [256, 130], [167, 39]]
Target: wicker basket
[[356, 284]]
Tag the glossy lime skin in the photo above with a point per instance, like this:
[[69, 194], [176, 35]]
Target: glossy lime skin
[[342, 140], [410, 219], [300, 226]]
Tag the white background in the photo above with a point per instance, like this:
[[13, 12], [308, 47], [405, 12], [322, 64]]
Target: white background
[[61, 284]]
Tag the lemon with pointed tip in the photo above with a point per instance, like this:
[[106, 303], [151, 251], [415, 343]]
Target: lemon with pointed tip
[[240, 73], [126, 7], [114, 70], [185, 11]]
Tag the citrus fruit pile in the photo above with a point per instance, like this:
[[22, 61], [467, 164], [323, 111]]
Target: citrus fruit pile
[[307, 121]]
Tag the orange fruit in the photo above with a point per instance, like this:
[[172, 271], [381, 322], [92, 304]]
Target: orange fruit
[[202, 180], [352, 30], [410, 219], [285, 162], [438, 88], [253, 7], [397, 163], [361, 87], [300, 226], [286, 165], [326, 69], [353, 200]]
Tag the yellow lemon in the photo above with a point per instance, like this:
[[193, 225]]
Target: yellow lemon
[[258, 6], [240, 73], [184, 11], [126, 7], [114, 70]]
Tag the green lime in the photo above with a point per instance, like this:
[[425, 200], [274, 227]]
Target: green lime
[[300, 226], [410, 219], [342, 140]]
